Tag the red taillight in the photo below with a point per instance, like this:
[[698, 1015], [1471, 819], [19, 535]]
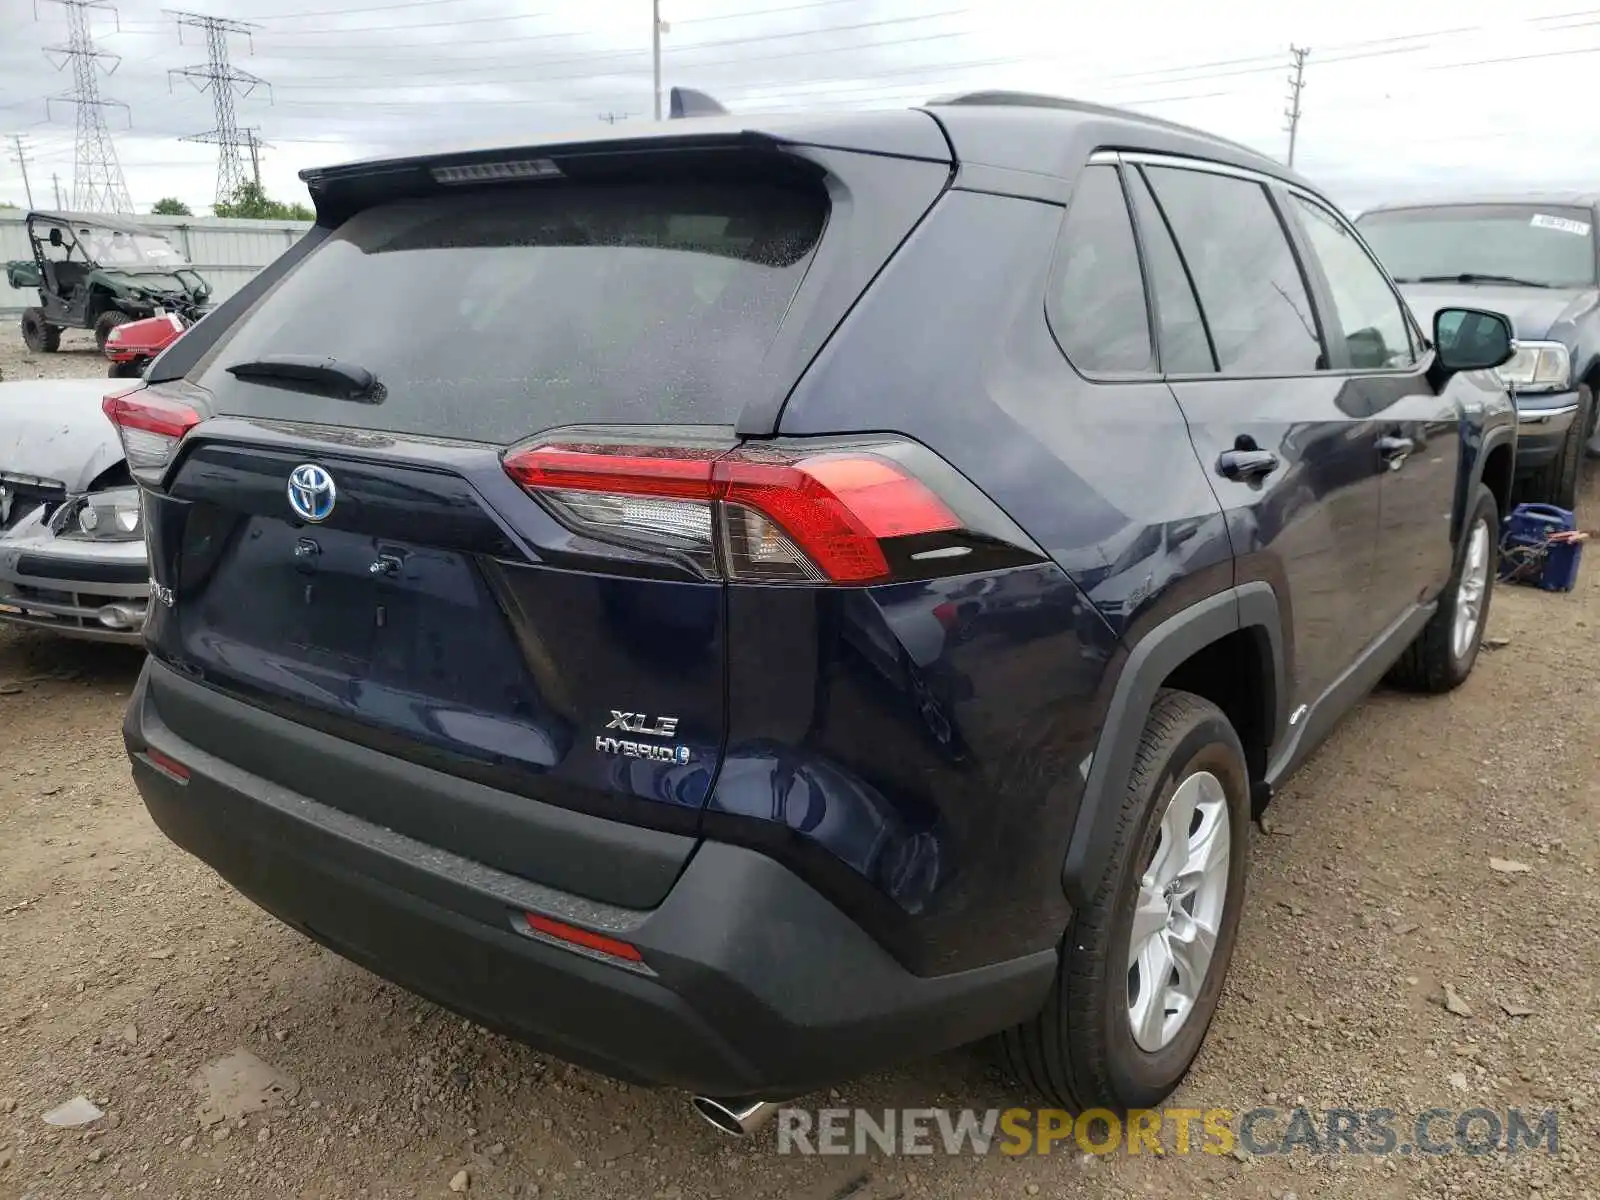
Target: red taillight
[[837, 508], [626, 470], [586, 938], [777, 514], [151, 426]]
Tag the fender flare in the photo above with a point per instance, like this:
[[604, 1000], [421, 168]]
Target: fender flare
[[1249, 606], [1493, 439]]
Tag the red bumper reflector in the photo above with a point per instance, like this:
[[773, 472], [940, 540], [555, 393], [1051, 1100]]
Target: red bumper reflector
[[582, 937], [167, 763]]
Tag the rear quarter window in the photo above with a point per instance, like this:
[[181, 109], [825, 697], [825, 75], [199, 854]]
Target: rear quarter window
[[492, 316]]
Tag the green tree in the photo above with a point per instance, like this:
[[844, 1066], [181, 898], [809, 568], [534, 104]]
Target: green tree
[[250, 200], [171, 206]]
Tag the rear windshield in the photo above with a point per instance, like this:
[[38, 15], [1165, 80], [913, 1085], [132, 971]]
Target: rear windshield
[[490, 317], [1541, 245]]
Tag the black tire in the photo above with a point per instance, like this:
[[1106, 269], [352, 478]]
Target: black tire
[[39, 335], [105, 323], [1079, 1052], [1430, 663], [1557, 481], [127, 370]]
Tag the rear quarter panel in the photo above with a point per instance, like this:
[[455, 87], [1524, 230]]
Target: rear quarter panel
[[951, 347]]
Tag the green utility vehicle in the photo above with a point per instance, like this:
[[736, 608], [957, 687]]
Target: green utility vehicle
[[96, 273]]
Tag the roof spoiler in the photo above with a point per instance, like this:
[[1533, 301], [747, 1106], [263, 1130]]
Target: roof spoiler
[[686, 102]]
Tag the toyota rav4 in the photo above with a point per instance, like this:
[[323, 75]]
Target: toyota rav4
[[742, 603]]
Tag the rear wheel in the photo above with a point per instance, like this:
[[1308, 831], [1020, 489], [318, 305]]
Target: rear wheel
[[1142, 964], [1444, 652], [127, 370], [39, 335], [106, 323]]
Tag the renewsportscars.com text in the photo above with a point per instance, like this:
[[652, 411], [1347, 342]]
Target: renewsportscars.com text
[[1256, 1131]]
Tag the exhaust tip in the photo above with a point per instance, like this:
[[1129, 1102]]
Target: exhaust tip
[[735, 1120]]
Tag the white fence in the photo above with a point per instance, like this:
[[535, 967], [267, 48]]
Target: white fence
[[226, 252]]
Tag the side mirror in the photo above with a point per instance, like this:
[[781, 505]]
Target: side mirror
[[1470, 339], [55, 237]]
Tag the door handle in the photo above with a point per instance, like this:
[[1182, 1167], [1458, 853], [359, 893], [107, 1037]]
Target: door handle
[[1247, 464], [1395, 450]]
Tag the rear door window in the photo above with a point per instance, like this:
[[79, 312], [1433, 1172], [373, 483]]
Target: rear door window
[[492, 316], [1255, 301], [1097, 304], [1184, 346]]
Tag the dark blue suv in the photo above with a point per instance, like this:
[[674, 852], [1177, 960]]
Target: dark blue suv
[[747, 602]]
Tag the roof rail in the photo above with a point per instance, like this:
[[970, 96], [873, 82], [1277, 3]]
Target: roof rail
[[686, 102], [1041, 100]]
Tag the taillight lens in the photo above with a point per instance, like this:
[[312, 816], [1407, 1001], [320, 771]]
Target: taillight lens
[[150, 426], [749, 513]]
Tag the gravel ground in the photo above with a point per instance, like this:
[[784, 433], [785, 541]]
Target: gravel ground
[[125, 966], [76, 358]]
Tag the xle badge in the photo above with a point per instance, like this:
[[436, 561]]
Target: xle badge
[[641, 724]]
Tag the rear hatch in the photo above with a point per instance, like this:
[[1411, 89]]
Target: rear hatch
[[341, 523]]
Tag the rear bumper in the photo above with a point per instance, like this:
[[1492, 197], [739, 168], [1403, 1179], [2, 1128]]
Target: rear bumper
[[94, 591], [752, 984]]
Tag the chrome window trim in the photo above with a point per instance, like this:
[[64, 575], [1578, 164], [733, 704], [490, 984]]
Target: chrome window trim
[[1185, 163]]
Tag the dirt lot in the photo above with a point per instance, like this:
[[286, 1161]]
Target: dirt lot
[[125, 966], [77, 356]]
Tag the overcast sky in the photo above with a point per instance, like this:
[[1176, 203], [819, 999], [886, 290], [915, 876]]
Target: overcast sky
[[1399, 98]]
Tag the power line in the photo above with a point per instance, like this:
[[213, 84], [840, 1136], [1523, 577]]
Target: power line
[[419, 25], [937, 70], [1270, 63], [97, 183], [614, 54], [1297, 83], [1511, 58], [590, 74], [730, 16], [223, 81], [763, 12], [345, 12]]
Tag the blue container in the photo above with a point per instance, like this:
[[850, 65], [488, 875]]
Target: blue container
[[1527, 555]]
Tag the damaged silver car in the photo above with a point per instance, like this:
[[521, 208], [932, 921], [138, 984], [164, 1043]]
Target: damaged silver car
[[72, 556]]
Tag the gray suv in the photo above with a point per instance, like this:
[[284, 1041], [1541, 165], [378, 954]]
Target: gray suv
[[1533, 258]]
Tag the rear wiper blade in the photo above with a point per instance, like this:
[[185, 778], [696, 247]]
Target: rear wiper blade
[[1475, 277], [310, 373]]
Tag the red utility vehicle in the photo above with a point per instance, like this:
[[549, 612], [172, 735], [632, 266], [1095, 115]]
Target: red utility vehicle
[[133, 345]]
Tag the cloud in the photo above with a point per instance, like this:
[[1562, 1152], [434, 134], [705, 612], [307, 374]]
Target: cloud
[[1398, 100]]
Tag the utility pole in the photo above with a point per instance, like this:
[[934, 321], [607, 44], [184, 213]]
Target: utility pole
[[223, 81], [21, 159], [1297, 83], [97, 182], [656, 30], [55, 182]]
